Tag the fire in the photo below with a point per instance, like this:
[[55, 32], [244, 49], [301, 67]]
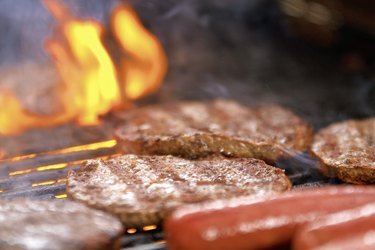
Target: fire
[[13, 118], [9, 105], [85, 67], [91, 84], [146, 64]]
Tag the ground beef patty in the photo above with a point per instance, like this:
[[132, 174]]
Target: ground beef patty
[[142, 190], [199, 129], [56, 224], [347, 150]]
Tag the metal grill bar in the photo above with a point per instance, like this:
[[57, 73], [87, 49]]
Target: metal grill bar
[[43, 176]]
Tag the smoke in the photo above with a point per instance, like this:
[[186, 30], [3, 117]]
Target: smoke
[[24, 24]]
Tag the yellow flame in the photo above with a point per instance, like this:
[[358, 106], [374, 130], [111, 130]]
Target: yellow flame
[[90, 84], [13, 118], [146, 64], [10, 107], [84, 65]]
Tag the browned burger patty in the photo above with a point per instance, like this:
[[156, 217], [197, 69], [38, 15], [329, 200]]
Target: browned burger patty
[[347, 150], [142, 190], [51, 225], [199, 129]]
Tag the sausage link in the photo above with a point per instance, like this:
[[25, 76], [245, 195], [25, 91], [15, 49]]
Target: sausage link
[[253, 222], [347, 229]]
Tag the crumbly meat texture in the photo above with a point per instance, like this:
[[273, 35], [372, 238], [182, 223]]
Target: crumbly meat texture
[[142, 190], [56, 224], [221, 127], [347, 150]]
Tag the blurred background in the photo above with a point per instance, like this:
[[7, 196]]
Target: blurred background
[[315, 57]]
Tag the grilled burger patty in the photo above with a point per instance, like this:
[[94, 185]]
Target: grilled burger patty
[[142, 190], [56, 224], [347, 150], [199, 129]]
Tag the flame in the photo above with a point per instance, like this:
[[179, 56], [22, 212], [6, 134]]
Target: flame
[[146, 64], [11, 108], [90, 83], [85, 67], [13, 118]]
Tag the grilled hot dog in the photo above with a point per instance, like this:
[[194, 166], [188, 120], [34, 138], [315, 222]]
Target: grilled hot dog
[[253, 223], [345, 230]]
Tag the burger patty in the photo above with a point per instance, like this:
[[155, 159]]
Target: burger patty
[[220, 127], [142, 190], [56, 224], [347, 150]]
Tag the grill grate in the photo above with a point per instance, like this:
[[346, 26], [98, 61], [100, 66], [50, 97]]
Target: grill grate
[[43, 175]]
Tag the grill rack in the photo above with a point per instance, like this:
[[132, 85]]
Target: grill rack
[[43, 176]]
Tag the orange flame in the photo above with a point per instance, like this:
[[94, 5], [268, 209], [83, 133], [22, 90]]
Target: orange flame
[[90, 84], [146, 64], [85, 67], [13, 118]]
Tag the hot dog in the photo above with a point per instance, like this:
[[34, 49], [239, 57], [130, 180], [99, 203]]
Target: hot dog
[[253, 222], [348, 229]]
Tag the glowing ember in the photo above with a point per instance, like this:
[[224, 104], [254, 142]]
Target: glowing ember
[[43, 183], [61, 196], [51, 167], [18, 172], [84, 147], [90, 85], [131, 231], [149, 227], [91, 146], [56, 166]]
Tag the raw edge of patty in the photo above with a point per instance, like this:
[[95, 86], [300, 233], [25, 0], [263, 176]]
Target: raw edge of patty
[[346, 150], [142, 190], [56, 224], [221, 127]]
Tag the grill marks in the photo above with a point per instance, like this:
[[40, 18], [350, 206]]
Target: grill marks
[[142, 190], [221, 127], [53, 224]]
